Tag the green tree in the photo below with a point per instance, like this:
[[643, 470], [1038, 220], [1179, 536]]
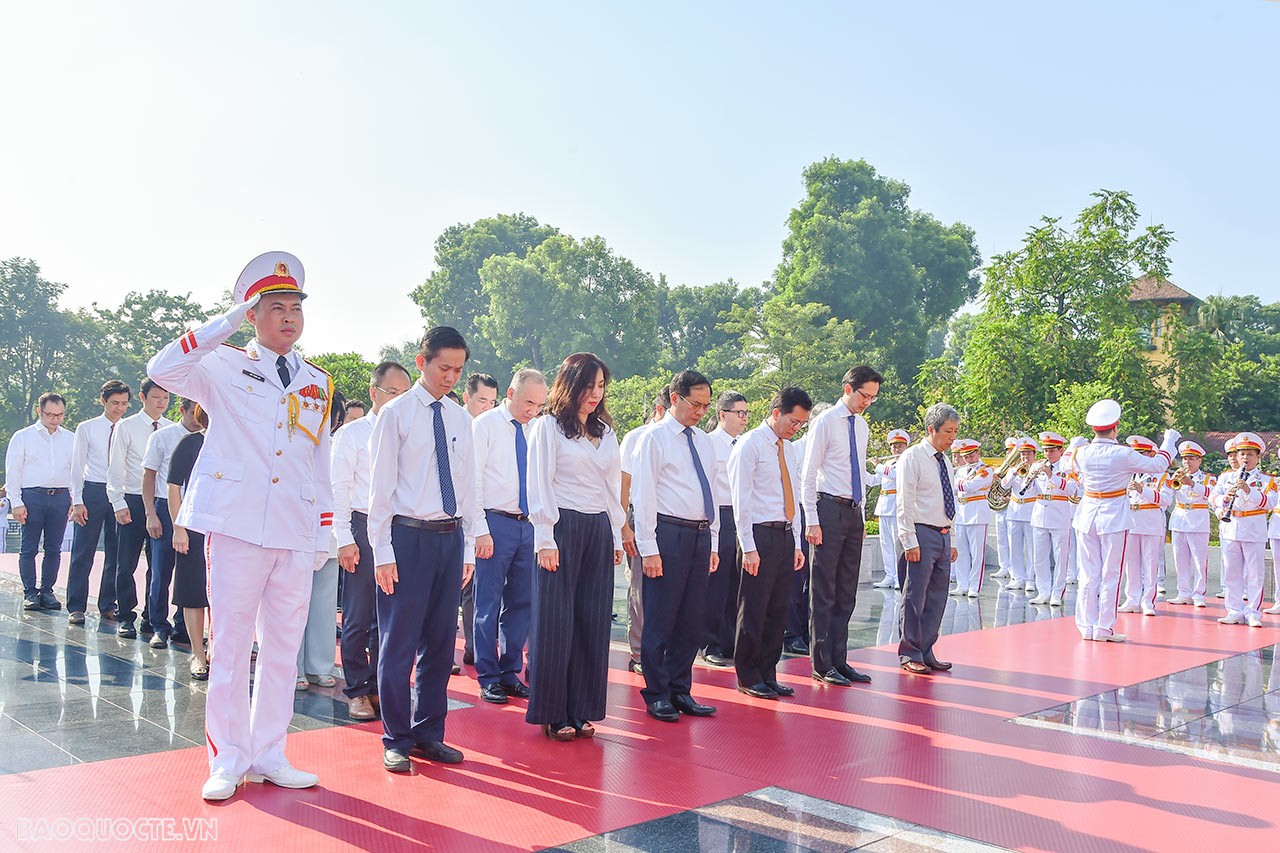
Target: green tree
[[142, 325], [1196, 356], [690, 325], [350, 373]]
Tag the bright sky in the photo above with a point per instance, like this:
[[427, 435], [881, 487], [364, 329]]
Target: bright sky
[[162, 145]]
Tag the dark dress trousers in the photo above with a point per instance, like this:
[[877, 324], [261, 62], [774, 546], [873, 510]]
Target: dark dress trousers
[[674, 609], [359, 643], [833, 585], [763, 600], [924, 594], [100, 526], [722, 590]]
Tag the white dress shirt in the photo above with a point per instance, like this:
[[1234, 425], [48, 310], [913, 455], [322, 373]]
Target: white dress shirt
[[724, 444], [128, 446], [349, 470], [404, 479], [669, 484], [159, 452], [920, 499], [89, 452], [826, 457], [628, 449], [37, 458], [497, 475], [755, 483], [572, 473]]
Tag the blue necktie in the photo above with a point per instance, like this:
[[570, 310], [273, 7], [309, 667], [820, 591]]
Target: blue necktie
[[856, 479], [442, 462], [948, 496], [522, 465], [707, 504]]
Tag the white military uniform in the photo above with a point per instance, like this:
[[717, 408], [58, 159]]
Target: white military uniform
[[1189, 528], [1105, 468], [1073, 551], [1273, 533], [1146, 537], [1022, 501], [1244, 538], [1001, 520], [885, 476], [260, 493], [1051, 526], [973, 515]]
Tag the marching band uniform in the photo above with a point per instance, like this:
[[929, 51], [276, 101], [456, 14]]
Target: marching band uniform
[[1146, 536], [1051, 525], [1022, 501], [1001, 520], [1233, 464], [1189, 525], [1073, 545], [1273, 533], [1244, 538], [886, 477], [973, 514], [260, 494], [1106, 468]]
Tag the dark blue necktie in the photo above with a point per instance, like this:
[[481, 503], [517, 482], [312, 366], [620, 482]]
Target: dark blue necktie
[[707, 504], [282, 368], [442, 462], [522, 465], [948, 496], [856, 478]]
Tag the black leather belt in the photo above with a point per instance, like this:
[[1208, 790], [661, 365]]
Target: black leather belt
[[44, 490], [684, 522], [444, 525], [775, 525], [838, 499], [946, 529], [514, 516], [357, 515]]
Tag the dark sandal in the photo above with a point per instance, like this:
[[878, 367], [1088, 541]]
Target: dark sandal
[[584, 728], [560, 731]]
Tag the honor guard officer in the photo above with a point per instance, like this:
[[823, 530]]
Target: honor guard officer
[[1051, 521], [886, 477], [1106, 468], [1073, 547], [1189, 525], [1273, 533], [1022, 501], [260, 494], [1233, 464], [973, 514], [1000, 518], [1148, 499], [1242, 500]]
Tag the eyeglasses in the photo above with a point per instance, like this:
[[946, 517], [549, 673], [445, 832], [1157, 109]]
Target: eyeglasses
[[870, 398], [697, 407], [795, 423], [390, 392], [742, 413]]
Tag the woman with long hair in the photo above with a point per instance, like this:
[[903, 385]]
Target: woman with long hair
[[575, 477]]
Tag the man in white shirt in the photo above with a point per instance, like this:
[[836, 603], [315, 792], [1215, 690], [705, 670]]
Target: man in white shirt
[[37, 469], [90, 509], [479, 396], [834, 494], [349, 469], [155, 469], [502, 550], [677, 517], [421, 509], [722, 586], [763, 472], [124, 490], [926, 513], [632, 570], [795, 636]]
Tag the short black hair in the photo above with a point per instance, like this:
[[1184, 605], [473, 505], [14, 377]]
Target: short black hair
[[686, 380], [186, 404], [861, 375], [475, 380], [442, 337], [50, 397], [356, 404], [112, 387], [380, 372], [727, 399], [453, 395], [789, 398], [662, 399], [149, 385]]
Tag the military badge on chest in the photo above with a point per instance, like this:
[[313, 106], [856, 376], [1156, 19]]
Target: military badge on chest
[[309, 411]]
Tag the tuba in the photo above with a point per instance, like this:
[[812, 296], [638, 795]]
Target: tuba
[[998, 495]]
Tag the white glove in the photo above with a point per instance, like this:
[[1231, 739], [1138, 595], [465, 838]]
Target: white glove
[[1170, 443]]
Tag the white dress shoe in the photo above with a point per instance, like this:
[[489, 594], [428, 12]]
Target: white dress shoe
[[1039, 599], [956, 591], [1273, 610], [884, 583], [1000, 575], [1029, 589], [1112, 638], [973, 593], [1199, 602], [220, 786], [286, 777], [1129, 607], [1014, 585], [1255, 621], [1230, 619], [1055, 602], [1179, 599], [1148, 611]]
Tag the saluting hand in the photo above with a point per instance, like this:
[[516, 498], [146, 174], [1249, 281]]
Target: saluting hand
[[549, 559], [386, 577]]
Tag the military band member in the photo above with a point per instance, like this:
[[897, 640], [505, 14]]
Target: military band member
[[260, 494], [885, 476], [973, 515], [1106, 468], [1148, 499], [1273, 533], [1022, 501], [1233, 464], [1189, 526], [1001, 520], [1073, 548], [1242, 500], [1051, 521]]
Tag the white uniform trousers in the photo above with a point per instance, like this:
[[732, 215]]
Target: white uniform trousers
[[1242, 577], [1021, 558], [262, 591], [1275, 574], [1051, 546], [1002, 542], [1191, 564], [1101, 555], [971, 551], [889, 547], [1141, 566]]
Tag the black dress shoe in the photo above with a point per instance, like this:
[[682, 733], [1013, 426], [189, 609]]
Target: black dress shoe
[[796, 647], [832, 676], [686, 704], [759, 691], [938, 665], [76, 618], [456, 670], [146, 631], [159, 642], [664, 711], [179, 638], [31, 602], [494, 693], [49, 602], [780, 689], [126, 630], [395, 761], [437, 752], [469, 658], [519, 690], [634, 666], [108, 615], [717, 659], [853, 675]]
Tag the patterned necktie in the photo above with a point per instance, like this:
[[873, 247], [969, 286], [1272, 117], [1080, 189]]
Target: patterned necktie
[[442, 462], [282, 368], [948, 497], [856, 479], [155, 425], [522, 465], [708, 505], [788, 497]]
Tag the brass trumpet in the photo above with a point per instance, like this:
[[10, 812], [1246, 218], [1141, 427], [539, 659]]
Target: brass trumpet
[[1180, 477]]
